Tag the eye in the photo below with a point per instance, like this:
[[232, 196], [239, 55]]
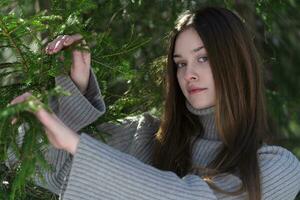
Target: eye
[[180, 65], [202, 59]]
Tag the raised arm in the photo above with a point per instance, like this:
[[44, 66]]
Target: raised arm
[[85, 104], [81, 108]]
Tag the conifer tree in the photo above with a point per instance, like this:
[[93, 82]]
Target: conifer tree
[[23, 38]]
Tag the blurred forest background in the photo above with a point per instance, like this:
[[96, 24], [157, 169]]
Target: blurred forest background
[[128, 42]]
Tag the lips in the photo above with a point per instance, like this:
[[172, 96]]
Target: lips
[[194, 90]]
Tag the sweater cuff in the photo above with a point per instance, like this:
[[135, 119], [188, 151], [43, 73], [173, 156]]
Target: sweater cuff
[[78, 110]]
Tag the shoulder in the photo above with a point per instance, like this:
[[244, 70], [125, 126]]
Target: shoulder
[[147, 126], [146, 120], [280, 172]]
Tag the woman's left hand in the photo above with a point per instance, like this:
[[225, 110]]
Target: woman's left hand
[[59, 135], [81, 59]]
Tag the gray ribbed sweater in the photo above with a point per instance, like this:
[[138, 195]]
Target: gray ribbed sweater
[[122, 168]]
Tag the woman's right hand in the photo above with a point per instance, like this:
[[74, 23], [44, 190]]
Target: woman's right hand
[[59, 135], [81, 60]]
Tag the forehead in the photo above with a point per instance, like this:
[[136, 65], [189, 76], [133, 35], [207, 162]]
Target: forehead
[[187, 41]]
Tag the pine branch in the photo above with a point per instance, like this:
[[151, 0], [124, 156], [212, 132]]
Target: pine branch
[[127, 50], [14, 44], [28, 154], [38, 71]]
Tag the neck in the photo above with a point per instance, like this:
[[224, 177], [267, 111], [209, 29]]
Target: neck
[[207, 119]]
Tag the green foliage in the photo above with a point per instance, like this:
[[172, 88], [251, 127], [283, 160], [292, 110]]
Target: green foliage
[[280, 51], [28, 153], [27, 68], [128, 43]]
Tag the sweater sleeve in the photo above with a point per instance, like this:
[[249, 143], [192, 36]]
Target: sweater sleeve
[[76, 111], [102, 172], [280, 173]]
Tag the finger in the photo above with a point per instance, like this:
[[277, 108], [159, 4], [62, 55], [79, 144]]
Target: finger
[[51, 46], [63, 41], [72, 39], [86, 48], [17, 100], [59, 44], [21, 98]]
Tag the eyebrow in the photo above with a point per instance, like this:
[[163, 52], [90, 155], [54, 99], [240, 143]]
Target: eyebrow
[[194, 50]]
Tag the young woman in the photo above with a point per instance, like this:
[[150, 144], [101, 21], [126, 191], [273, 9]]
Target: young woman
[[209, 143]]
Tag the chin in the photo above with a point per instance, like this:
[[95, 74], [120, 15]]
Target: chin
[[201, 105]]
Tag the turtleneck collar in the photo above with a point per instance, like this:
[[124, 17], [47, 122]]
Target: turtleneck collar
[[207, 119]]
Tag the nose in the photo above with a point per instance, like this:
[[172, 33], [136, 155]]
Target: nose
[[190, 75]]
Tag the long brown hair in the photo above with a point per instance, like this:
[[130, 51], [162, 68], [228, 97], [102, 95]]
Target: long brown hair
[[240, 113]]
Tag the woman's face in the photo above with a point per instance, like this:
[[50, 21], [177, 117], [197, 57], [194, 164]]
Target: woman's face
[[193, 69]]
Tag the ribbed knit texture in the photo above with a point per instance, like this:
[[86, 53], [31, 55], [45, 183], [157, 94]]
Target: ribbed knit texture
[[76, 111], [122, 168]]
